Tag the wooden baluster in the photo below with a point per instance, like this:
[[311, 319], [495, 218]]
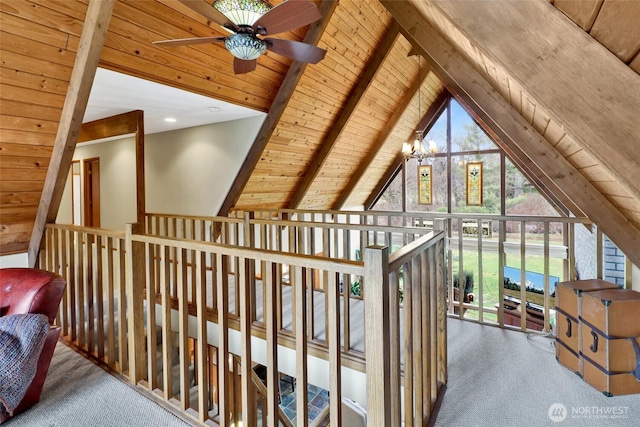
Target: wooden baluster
[[299, 280], [183, 329], [441, 309], [408, 342], [80, 294], [273, 377], [224, 396], [480, 274], [547, 293], [99, 296], [112, 310], [152, 373], [394, 346], [64, 248], [135, 285], [121, 285], [461, 276], [202, 346], [72, 286], [248, 391], [523, 276], [335, 355], [418, 338], [167, 339], [425, 317]]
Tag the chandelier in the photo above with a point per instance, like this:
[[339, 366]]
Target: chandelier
[[417, 150]]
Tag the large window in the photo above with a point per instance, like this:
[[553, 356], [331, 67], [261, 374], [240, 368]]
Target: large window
[[464, 143]]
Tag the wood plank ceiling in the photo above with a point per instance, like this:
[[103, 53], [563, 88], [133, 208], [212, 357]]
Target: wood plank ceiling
[[334, 129]]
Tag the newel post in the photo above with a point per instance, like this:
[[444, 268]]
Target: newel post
[[135, 285], [378, 336]]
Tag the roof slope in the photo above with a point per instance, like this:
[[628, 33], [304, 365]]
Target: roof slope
[[563, 106]]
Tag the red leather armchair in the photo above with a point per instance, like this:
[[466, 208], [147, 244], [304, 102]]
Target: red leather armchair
[[28, 290]]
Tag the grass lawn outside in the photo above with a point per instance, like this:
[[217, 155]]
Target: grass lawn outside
[[490, 275]]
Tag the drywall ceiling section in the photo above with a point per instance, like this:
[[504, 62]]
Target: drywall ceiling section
[[115, 93]]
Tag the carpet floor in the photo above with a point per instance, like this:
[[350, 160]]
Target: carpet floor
[[77, 393], [503, 378], [497, 378]]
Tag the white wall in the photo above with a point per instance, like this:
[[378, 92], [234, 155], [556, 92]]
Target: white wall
[[117, 182], [190, 171], [14, 260], [187, 171]]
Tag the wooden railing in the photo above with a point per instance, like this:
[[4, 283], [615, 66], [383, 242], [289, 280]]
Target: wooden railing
[[504, 241], [411, 339], [153, 312], [92, 311], [344, 241]]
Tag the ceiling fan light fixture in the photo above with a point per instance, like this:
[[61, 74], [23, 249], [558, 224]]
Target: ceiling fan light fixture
[[242, 12], [245, 46]]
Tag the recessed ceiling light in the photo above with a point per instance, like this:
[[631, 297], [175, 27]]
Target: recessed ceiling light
[[170, 120]]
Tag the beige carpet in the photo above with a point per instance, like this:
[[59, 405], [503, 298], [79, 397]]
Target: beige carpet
[[503, 378], [77, 393]]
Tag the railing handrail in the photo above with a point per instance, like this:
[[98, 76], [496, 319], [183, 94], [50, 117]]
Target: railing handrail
[[292, 222], [195, 217], [266, 255], [92, 230], [437, 215], [407, 252], [339, 225]]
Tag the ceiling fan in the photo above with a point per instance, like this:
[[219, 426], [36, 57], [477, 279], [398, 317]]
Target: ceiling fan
[[250, 21]]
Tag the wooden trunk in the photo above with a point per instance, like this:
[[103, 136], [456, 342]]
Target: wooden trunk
[[610, 334], [568, 311]]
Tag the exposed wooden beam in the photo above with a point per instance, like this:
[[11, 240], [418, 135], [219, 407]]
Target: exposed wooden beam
[[384, 182], [327, 7], [593, 96], [513, 128], [141, 200], [433, 112], [426, 121], [121, 124], [94, 30], [356, 95]]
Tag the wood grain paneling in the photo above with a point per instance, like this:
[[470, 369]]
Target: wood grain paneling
[[617, 28], [463, 76], [39, 41], [635, 64], [309, 118], [582, 12], [37, 58], [32, 81]]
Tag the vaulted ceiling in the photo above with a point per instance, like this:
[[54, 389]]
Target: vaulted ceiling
[[556, 85]]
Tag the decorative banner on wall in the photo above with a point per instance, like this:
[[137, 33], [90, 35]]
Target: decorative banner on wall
[[424, 184], [474, 183]]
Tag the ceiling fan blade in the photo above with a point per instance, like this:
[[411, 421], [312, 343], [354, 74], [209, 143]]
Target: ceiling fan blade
[[242, 66], [189, 41], [295, 50], [286, 16], [210, 12]]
